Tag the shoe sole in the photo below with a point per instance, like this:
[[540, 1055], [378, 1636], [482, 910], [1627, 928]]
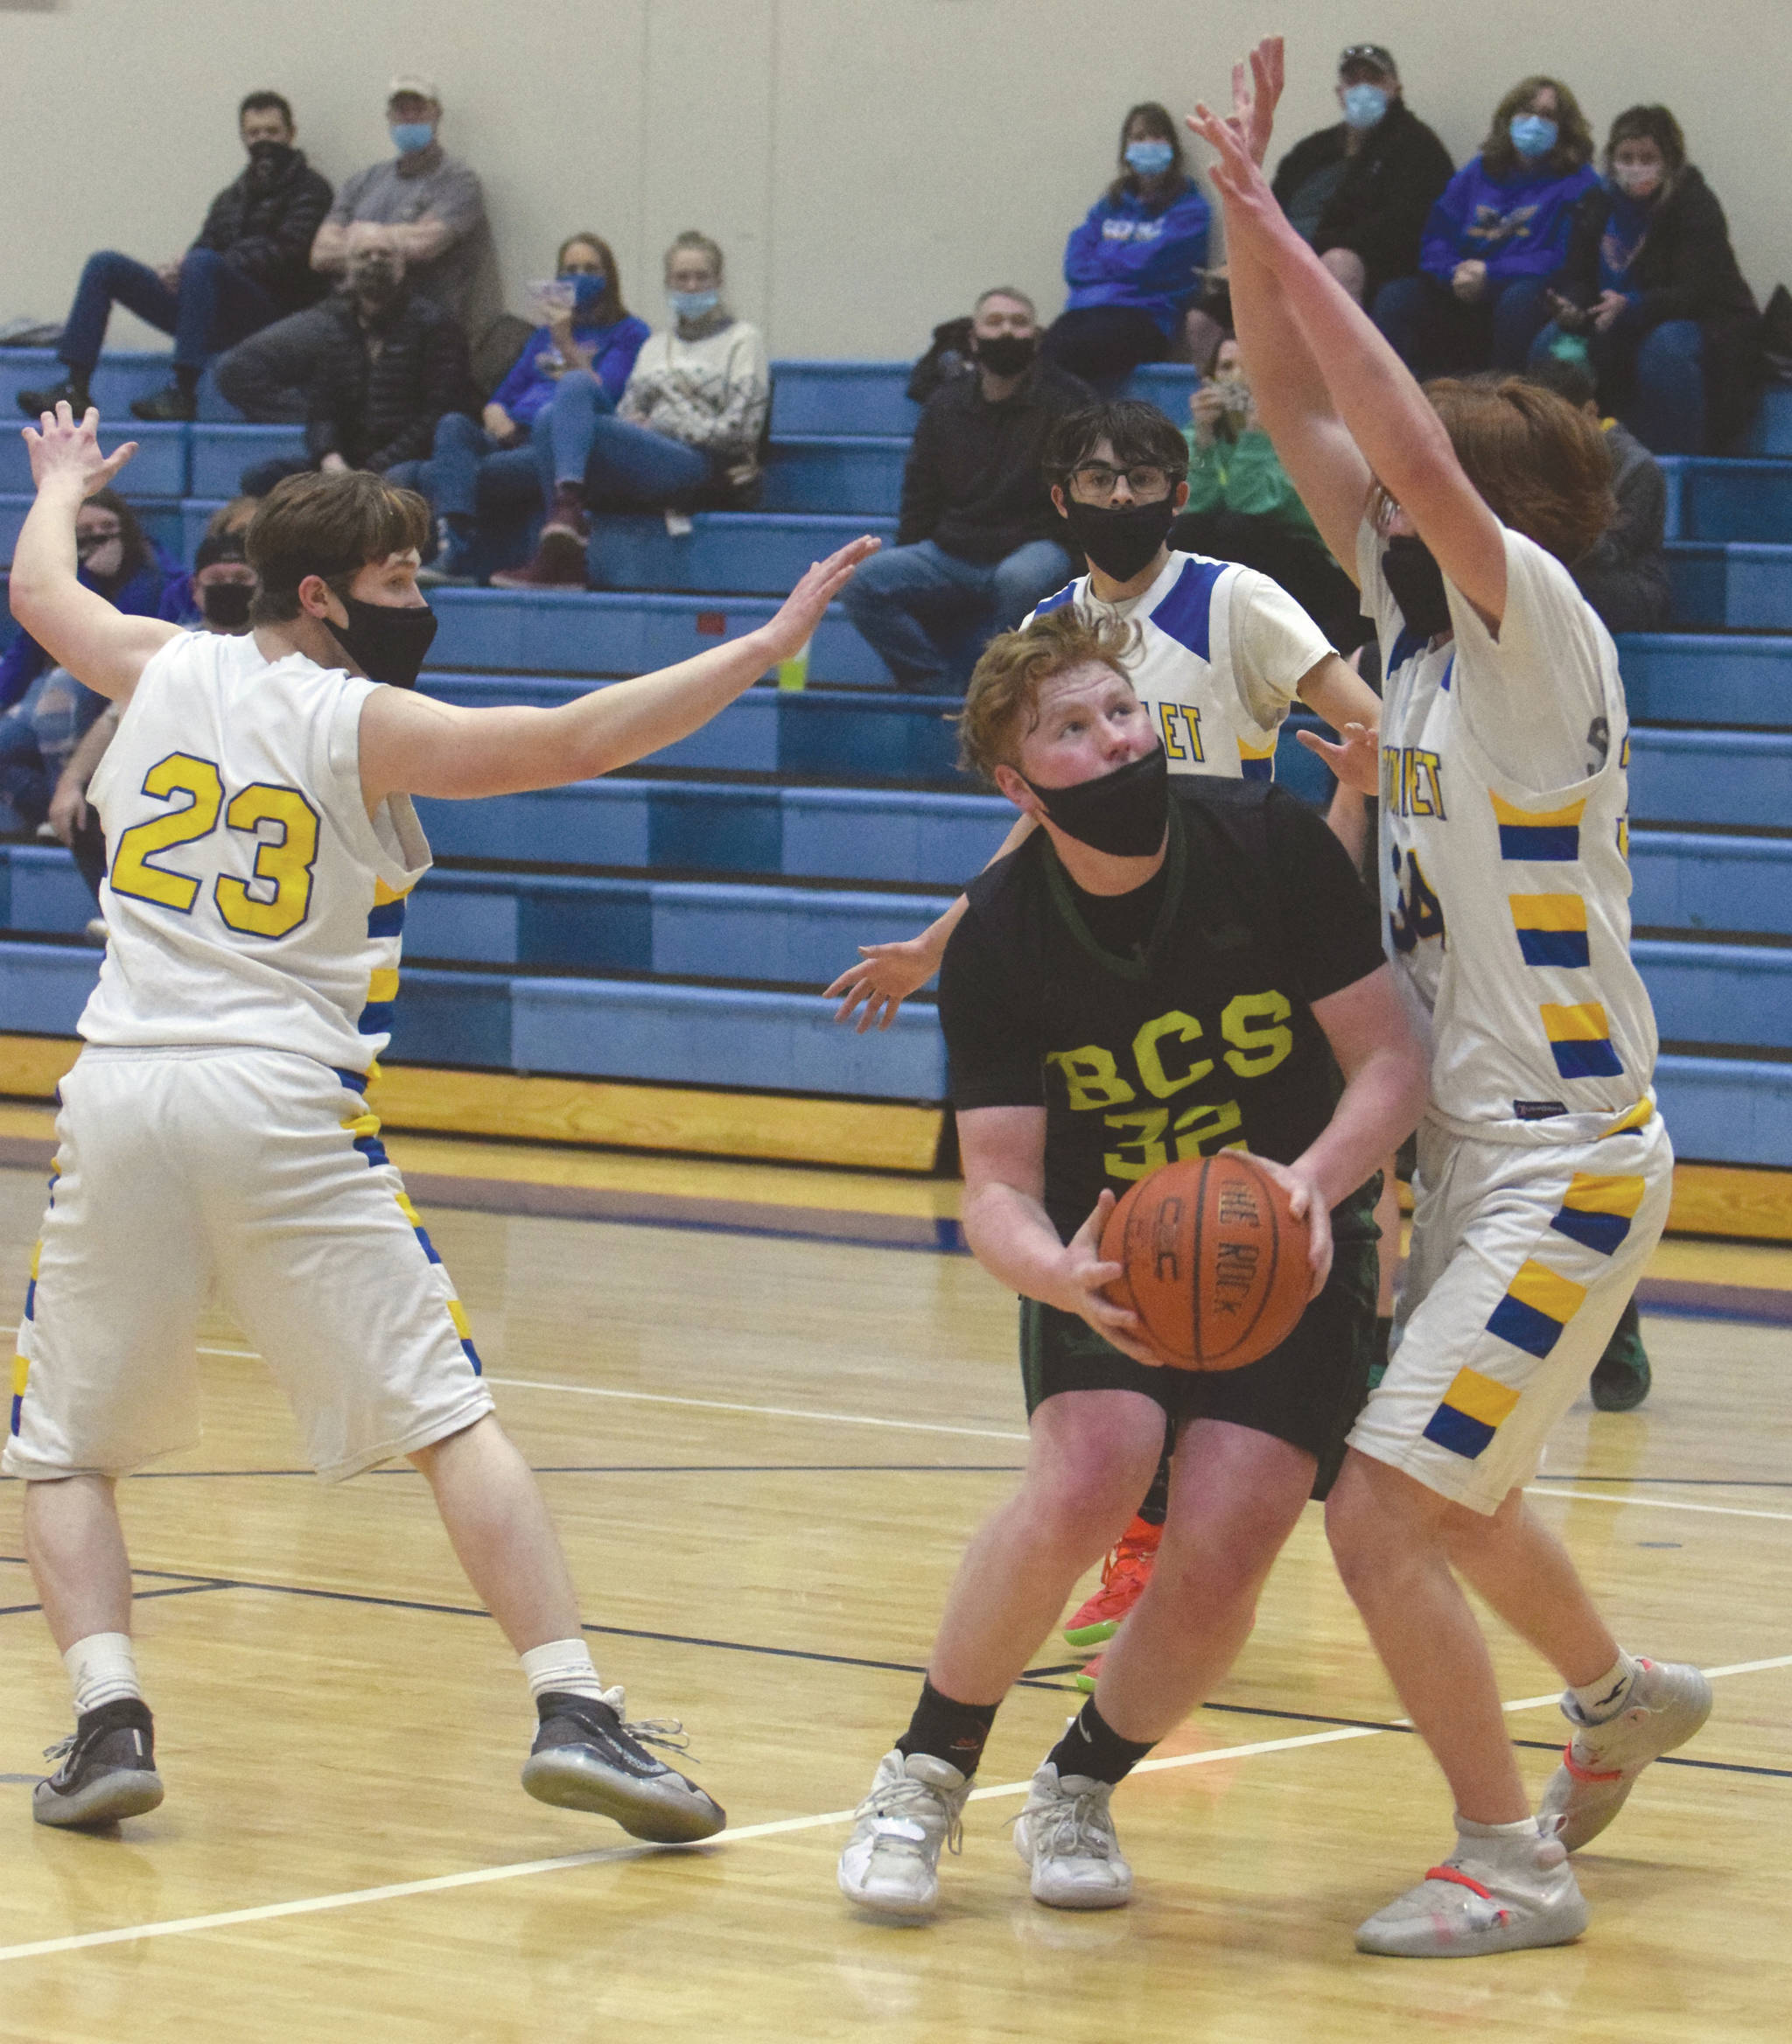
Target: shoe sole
[[907, 1915], [1595, 1816], [1486, 1944], [129, 1792], [1086, 1899], [1091, 1635], [571, 1784]]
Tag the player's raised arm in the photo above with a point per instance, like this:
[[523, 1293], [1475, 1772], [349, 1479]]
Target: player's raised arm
[[411, 744], [1394, 431], [99, 645]]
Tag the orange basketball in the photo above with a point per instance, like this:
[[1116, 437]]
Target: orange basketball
[[1216, 1264]]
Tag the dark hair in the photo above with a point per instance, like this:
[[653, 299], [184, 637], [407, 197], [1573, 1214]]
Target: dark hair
[[1156, 117], [1573, 140], [135, 549], [610, 306], [1542, 467], [1567, 376], [1138, 433], [1654, 124], [1001, 701], [217, 547], [327, 525], [263, 102]]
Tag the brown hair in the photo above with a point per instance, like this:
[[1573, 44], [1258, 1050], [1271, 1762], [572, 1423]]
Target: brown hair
[[134, 552], [610, 306], [1573, 140], [327, 525], [1155, 118], [1001, 703], [691, 239], [1654, 124], [1542, 467]]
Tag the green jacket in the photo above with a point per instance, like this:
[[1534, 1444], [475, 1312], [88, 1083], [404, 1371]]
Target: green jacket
[[1243, 475]]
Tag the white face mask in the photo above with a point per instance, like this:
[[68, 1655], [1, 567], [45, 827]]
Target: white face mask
[[1637, 181]]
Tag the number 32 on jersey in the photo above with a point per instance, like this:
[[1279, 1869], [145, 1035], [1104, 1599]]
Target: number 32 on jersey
[[283, 864]]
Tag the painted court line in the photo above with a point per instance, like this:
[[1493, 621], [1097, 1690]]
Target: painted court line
[[785, 1827]]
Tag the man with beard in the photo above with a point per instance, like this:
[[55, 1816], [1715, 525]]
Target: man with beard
[[977, 543], [251, 264]]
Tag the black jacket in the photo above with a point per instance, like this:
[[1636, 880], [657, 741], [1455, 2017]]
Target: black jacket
[[1685, 270], [264, 232], [1379, 208], [974, 483], [376, 410], [1624, 576]]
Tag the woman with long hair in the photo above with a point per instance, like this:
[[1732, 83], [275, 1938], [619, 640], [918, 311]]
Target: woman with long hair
[[1494, 238], [1134, 266], [1544, 1171]]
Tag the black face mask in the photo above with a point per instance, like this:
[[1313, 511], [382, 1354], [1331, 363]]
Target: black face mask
[[1006, 354], [1120, 542], [387, 643], [1123, 813], [268, 159], [226, 603], [1418, 585]]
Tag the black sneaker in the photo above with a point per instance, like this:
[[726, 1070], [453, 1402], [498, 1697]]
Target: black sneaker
[[166, 407], [585, 1758], [35, 403], [1620, 1379], [108, 1771]]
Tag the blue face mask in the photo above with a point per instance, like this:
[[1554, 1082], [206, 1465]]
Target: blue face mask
[[587, 293], [1149, 159], [1364, 105], [1533, 136], [409, 136], [693, 304]]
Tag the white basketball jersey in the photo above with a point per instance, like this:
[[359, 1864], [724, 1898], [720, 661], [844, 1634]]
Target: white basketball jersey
[[1221, 649], [249, 899], [1507, 905]]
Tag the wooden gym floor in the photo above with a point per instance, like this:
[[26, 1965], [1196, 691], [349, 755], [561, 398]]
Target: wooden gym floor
[[766, 1449]]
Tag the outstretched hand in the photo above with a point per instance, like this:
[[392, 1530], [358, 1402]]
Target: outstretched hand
[[1356, 759], [883, 979], [804, 609], [59, 447], [1242, 140], [1254, 107]]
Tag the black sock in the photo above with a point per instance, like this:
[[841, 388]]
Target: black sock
[[1156, 1507], [187, 378], [1090, 1746], [950, 1732]]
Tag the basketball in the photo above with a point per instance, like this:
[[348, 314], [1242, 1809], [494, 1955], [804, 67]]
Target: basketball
[[1214, 1262]]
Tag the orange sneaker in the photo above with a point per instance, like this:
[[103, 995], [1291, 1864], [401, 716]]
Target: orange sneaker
[[1086, 1679], [1125, 1575]]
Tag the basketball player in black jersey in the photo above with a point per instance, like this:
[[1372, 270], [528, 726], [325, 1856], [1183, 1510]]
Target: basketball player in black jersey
[[1162, 970]]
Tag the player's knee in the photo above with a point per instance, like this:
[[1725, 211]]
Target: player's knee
[[1081, 1506]]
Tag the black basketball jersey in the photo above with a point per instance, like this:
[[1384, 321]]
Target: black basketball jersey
[[1203, 1037]]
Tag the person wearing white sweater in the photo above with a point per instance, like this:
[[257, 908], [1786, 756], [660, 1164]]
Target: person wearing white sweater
[[686, 432]]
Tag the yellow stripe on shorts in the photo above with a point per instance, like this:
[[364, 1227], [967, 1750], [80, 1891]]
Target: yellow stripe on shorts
[[1505, 812], [1546, 1291], [1590, 1194], [383, 984]]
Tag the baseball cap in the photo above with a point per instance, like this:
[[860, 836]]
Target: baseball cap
[[416, 85], [1371, 54]]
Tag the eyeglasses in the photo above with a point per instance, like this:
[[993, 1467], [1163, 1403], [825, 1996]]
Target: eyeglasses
[[1095, 481]]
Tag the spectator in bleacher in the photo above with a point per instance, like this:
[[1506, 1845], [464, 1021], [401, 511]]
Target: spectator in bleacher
[[1650, 282], [976, 543], [684, 436], [1494, 239], [250, 265], [388, 365], [1243, 506], [576, 365], [47, 710], [1134, 266], [1625, 575], [1362, 191], [434, 208]]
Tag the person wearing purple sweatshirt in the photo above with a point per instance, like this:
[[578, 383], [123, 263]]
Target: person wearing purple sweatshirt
[[1134, 266], [1492, 240]]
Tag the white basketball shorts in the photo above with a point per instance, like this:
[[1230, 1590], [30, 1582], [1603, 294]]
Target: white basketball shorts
[[1523, 1257], [262, 1172]]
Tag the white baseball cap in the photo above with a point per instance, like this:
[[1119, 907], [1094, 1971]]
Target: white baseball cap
[[413, 85]]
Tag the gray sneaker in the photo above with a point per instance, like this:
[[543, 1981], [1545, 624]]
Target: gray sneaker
[[1065, 1835], [1490, 1895], [892, 1861], [1669, 1701], [584, 1757], [108, 1771]]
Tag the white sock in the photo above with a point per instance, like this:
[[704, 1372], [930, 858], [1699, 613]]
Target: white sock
[[1598, 1700], [102, 1669], [562, 1664]]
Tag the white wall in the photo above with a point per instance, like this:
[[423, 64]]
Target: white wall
[[868, 164]]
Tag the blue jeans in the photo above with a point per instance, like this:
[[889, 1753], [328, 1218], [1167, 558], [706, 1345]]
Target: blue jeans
[[912, 604], [213, 307], [258, 480], [471, 477], [624, 467], [1433, 332], [1656, 384]]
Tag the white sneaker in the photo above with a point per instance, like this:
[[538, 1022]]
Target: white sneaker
[[1065, 1834], [1669, 1701], [1493, 1894], [891, 1863]]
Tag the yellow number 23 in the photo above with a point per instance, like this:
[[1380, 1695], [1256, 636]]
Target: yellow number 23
[[284, 862]]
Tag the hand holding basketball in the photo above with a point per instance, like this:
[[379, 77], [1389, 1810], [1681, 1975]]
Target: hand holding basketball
[[1089, 1289], [1306, 1203]]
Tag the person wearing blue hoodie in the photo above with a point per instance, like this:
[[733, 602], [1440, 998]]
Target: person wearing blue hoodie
[[1494, 239], [1135, 265]]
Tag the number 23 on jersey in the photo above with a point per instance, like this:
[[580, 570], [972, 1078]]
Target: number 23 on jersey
[[283, 864]]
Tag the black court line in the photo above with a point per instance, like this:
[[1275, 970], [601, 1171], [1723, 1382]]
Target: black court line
[[651, 1469], [138, 1596]]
